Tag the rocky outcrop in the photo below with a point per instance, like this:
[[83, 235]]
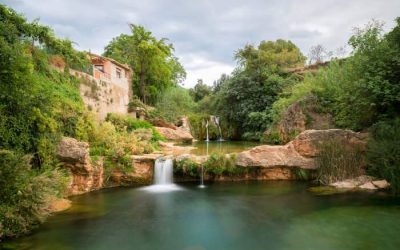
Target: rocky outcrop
[[178, 134], [74, 155], [267, 156], [300, 116], [307, 143], [184, 124], [141, 173], [157, 122], [299, 153], [88, 174]]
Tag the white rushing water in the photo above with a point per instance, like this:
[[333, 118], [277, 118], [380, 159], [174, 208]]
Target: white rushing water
[[163, 176], [207, 139], [217, 122]]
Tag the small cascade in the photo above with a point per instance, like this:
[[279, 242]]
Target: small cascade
[[202, 177], [163, 171], [163, 176], [217, 122], [207, 139]]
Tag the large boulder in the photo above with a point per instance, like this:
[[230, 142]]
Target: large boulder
[[308, 142], [300, 116], [273, 156], [74, 155], [299, 153], [178, 134]]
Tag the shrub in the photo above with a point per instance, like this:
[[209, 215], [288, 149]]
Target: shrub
[[337, 161], [135, 102], [218, 164], [24, 193], [384, 152], [124, 123], [187, 167]]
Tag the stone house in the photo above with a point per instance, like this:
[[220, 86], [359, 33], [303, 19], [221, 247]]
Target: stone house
[[106, 87]]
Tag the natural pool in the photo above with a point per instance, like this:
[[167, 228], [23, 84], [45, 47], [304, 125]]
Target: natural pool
[[224, 147], [235, 215]]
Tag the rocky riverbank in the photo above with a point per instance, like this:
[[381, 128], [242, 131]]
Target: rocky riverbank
[[264, 162]]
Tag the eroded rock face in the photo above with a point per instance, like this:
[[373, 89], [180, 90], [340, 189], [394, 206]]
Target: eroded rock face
[[307, 143], [141, 174], [74, 155], [178, 134], [300, 116], [273, 156], [299, 153]]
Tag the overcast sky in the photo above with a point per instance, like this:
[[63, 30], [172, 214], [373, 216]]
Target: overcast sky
[[207, 33]]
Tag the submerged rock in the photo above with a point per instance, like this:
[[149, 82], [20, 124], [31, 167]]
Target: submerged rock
[[58, 205], [361, 182]]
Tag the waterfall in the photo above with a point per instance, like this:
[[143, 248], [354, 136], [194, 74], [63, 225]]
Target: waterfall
[[163, 171], [217, 122], [207, 139], [202, 177], [163, 176]]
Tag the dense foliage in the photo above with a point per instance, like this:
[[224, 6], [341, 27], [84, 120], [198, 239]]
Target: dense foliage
[[215, 165], [38, 105], [243, 99], [24, 193], [384, 152], [155, 66], [175, 102]]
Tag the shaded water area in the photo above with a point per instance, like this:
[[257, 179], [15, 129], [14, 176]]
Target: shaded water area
[[236, 215], [224, 147]]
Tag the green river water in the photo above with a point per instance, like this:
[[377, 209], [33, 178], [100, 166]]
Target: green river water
[[231, 215]]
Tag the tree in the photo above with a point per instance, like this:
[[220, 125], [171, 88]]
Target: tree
[[218, 83], [154, 65], [317, 54], [270, 57], [200, 91]]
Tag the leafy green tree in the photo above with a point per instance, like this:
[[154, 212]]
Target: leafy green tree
[[270, 57], [154, 65], [200, 90], [175, 102], [245, 98]]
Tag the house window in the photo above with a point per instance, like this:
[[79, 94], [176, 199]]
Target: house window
[[118, 73], [99, 67]]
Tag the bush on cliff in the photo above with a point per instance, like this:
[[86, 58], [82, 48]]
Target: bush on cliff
[[125, 123], [24, 193]]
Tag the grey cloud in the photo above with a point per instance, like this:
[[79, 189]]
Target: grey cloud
[[207, 33]]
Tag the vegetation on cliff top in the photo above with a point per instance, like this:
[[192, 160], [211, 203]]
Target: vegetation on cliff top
[[155, 66], [39, 105]]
